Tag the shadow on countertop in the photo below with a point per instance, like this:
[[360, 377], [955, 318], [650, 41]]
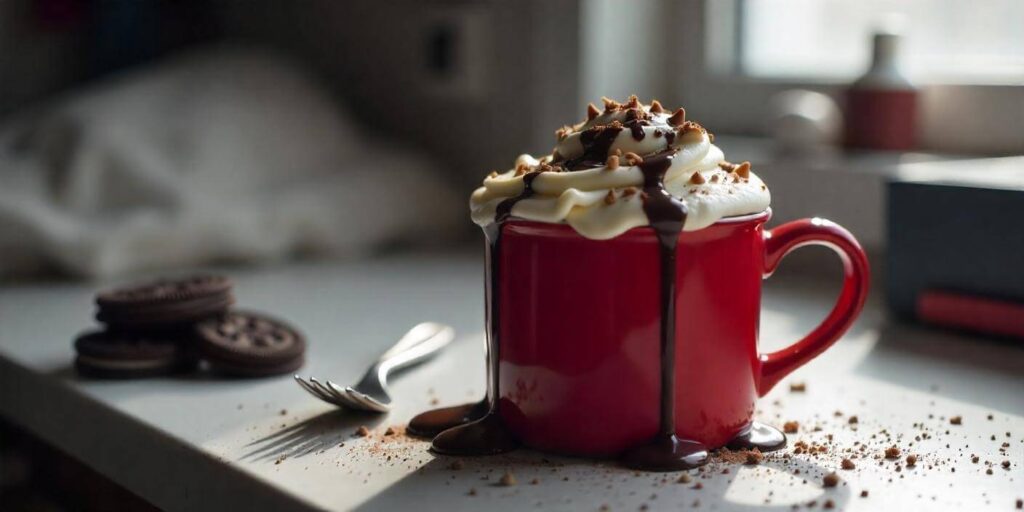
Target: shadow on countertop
[[964, 367], [313, 435]]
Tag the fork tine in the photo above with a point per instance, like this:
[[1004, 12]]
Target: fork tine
[[336, 389], [343, 396], [369, 403], [377, 404], [338, 398], [323, 389], [357, 397], [314, 390], [302, 383]]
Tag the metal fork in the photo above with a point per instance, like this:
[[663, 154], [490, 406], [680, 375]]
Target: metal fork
[[371, 393]]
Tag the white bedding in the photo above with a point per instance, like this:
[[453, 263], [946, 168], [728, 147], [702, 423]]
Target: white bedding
[[225, 154]]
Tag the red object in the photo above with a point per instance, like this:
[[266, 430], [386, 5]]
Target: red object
[[580, 334], [881, 119], [971, 312]]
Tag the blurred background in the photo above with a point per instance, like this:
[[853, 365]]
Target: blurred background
[[146, 136], [139, 135]]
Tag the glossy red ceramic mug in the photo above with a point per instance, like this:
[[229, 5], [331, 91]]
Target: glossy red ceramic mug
[[579, 335]]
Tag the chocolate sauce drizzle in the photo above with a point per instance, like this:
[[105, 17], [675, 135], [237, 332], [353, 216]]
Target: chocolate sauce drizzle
[[479, 433], [487, 435], [504, 209], [666, 214], [597, 143], [474, 429], [636, 119]]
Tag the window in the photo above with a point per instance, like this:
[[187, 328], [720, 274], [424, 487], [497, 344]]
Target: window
[[728, 58], [949, 41]]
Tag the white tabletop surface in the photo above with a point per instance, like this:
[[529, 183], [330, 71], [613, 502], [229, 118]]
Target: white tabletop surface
[[204, 443]]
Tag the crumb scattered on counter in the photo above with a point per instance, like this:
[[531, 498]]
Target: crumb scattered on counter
[[507, 480], [830, 480], [866, 450]]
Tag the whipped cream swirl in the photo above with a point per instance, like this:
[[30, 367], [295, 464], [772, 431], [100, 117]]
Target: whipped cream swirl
[[592, 180]]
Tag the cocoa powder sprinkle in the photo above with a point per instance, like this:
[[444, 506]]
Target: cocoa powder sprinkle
[[830, 480], [754, 457]]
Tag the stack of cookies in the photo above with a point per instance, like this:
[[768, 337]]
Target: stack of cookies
[[169, 326]]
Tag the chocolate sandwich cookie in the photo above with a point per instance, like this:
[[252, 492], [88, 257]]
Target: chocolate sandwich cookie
[[164, 303], [248, 344], [120, 355]]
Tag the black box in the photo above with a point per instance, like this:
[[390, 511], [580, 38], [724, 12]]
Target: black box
[[959, 227]]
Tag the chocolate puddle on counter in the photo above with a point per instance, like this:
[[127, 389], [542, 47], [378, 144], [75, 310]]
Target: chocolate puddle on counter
[[477, 429]]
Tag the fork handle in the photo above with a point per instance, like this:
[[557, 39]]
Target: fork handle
[[420, 343]]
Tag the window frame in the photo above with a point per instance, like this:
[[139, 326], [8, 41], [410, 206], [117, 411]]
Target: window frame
[[706, 76]]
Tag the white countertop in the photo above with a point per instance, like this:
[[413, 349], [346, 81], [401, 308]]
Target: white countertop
[[203, 443]]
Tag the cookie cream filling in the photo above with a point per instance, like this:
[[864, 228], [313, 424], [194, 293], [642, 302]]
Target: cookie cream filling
[[593, 179], [125, 364]]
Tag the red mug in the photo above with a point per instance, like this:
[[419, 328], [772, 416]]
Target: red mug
[[579, 330]]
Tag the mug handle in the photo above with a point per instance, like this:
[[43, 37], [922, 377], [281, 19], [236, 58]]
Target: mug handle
[[781, 241]]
